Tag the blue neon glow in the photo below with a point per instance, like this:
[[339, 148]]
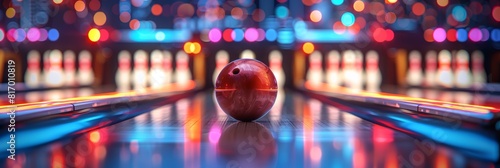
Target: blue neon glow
[[404, 24], [495, 35], [461, 35], [281, 12], [149, 35], [237, 35], [326, 35], [348, 19], [271, 35], [2, 34], [337, 2], [20, 35], [459, 13], [285, 36], [53, 34], [300, 28]]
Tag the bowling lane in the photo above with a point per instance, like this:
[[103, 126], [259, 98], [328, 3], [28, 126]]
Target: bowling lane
[[299, 132]]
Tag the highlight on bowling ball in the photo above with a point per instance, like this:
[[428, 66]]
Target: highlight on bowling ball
[[246, 89]]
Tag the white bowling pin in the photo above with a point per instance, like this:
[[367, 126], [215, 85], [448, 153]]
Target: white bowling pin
[[444, 73], [414, 77], [182, 71], [140, 72], [430, 68], [333, 77], [358, 78], [247, 54], [69, 68], [478, 73], [221, 60], [167, 66], [33, 75], [314, 74], [373, 74], [54, 77], [157, 74], [85, 71], [276, 66], [123, 74], [463, 77], [349, 68]]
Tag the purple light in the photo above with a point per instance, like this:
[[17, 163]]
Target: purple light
[[20, 35], [43, 35], [214, 35], [486, 34], [33, 34], [475, 35], [439, 35], [251, 34], [262, 34]]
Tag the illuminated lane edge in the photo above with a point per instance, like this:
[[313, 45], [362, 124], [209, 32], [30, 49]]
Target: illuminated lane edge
[[467, 111], [39, 109], [156, 35]]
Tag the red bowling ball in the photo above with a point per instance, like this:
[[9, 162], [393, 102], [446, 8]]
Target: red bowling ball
[[246, 89]]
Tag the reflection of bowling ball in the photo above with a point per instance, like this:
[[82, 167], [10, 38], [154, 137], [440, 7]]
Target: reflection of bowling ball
[[246, 89], [247, 144]]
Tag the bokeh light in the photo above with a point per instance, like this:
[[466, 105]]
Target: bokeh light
[[185, 10], [104, 35], [10, 12], [271, 35], [156, 9], [2, 35], [20, 35], [348, 19], [134, 24], [79, 6], [439, 35], [53, 34], [390, 17], [358, 6], [258, 15], [11, 35], [57, 1], [418, 9], [495, 35], [391, 1], [192, 47], [99, 18], [451, 35], [442, 3], [308, 48], [94, 35], [315, 16], [214, 35], [337, 2], [428, 35], [251, 34], [339, 28], [459, 13], [496, 13], [389, 35], [237, 35], [33, 34], [43, 35], [226, 35], [124, 17], [379, 35], [461, 35], [475, 35], [486, 34], [281, 12], [262, 34], [94, 5]]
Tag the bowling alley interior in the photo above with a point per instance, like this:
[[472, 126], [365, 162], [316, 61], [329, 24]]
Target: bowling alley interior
[[250, 83]]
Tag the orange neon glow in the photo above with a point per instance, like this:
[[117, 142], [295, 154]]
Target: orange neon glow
[[192, 47], [94, 136]]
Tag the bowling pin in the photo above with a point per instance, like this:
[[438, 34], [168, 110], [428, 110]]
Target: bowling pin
[[276, 66], [314, 74], [463, 77], [46, 66], [348, 68], [167, 66], [122, 77], [69, 68], [33, 75], [373, 74], [430, 68], [182, 71], [414, 77], [444, 73], [221, 60], [247, 54], [85, 72], [157, 73], [140, 72], [333, 77], [54, 77], [358, 80], [478, 73]]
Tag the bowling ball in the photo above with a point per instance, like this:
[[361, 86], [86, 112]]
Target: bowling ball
[[247, 144], [246, 89]]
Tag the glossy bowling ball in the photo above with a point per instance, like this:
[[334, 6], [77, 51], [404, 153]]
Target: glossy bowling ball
[[246, 89], [247, 144]]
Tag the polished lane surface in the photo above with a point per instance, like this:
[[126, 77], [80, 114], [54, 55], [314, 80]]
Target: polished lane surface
[[298, 132]]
